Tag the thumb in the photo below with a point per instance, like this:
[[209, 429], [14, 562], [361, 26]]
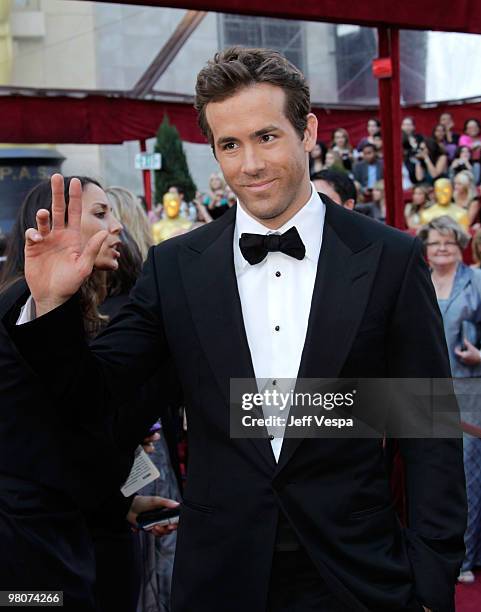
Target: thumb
[[163, 502], [92, 249], [468, 344]]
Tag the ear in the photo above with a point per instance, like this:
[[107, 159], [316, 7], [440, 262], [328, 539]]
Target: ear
[[310, 133], [349, 204]]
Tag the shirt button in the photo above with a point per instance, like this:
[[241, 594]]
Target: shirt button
[[278, 274], [277, 328], [271, 437]]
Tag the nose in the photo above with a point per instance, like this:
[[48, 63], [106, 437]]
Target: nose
[[252, 162], [115, 227]]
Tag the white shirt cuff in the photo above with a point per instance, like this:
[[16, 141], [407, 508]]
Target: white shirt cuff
[[27, 313]]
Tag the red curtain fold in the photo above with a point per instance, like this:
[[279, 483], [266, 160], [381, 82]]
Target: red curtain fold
[[102, 120]]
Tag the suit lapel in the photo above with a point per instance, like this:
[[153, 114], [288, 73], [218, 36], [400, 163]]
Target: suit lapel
[[341, 291], [211, 287]]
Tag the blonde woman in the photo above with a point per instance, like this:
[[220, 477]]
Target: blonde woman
[[466, 195], [342, 146], [129, 211]]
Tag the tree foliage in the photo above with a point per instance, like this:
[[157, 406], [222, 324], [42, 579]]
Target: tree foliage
[[175, 170]]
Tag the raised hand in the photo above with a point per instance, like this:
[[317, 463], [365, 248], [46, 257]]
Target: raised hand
[[56, 262]]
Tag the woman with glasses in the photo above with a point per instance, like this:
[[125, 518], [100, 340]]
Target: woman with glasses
[[458, 289]]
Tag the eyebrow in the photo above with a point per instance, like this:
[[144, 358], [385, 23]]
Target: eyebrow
[[265, 130], [102, 204]]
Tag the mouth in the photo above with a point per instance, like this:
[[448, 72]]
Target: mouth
[[116, 249], [261, 186]]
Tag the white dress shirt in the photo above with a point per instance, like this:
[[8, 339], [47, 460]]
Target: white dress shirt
[[276, 295]]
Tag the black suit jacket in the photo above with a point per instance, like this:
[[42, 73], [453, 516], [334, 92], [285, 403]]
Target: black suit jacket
[[373, 314]]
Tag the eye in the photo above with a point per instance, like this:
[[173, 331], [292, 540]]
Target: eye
[[101, 214], [267, 137], [229, 146]]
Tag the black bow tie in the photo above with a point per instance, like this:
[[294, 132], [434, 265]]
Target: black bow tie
[[254, 247]]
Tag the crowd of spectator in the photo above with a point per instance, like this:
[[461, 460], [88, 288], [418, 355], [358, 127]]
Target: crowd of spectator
[[444, 153]]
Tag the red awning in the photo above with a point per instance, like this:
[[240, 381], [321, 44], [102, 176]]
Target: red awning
[[446, 15], [103, 120]]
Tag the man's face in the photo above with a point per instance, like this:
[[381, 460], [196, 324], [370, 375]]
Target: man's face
[[369, 155], [262, 157]]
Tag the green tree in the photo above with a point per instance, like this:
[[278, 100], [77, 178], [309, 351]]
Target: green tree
[[175, 170]]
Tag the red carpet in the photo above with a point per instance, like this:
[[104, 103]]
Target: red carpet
[[468, 596]]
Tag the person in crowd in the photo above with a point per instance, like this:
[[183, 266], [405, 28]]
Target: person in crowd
[[379, 201], [471, 137], [439, 134], [408, 175], [215, 200], [420, 201], [337, 186], [341, 145], [128, 210], [62, 519], [443, 135], [377, 142], [203, 215], [476, 249], [155, 213], [373, 127], [446, 120], [317, 157], [463, 161], [334, 161], [368, 171], [255, 525], [466, 195], [432, 162], [410, 139], [458, 290]]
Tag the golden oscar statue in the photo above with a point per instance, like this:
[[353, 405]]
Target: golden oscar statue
[[172, 224], [443, 191]]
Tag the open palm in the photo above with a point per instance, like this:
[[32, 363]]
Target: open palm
[[56, 263]]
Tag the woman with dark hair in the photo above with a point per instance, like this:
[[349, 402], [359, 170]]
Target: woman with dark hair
[[317, 158], [432, 162], [61, 467], [373, 127], [471, 138], [463, 161], [440, 135]]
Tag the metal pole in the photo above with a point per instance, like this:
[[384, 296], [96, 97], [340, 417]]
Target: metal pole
[[147, 179]]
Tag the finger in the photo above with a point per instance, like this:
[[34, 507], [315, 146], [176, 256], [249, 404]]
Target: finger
[[43, 222], [58, 201], [468, 344], [458, 351], [74, 204], [32, 236], [91, 250], [164, 502]]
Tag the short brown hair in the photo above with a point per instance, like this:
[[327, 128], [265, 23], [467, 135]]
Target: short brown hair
[[239, 67]]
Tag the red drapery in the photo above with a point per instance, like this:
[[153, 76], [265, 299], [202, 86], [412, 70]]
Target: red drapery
[[458, 16], [102, 120]]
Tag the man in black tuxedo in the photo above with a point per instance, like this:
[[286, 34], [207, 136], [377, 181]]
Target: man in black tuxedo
[[276, 524]]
